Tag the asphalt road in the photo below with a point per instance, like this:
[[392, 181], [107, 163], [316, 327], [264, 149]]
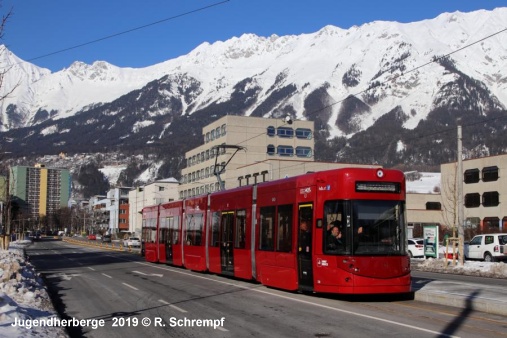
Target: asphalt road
[[132, 298]]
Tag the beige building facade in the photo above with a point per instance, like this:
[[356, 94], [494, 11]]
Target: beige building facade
[[484, 193], [233, 141], [249, 150]]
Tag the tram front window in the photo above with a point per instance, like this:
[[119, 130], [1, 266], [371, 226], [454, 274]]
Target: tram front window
[[366, 227], [378, 227]]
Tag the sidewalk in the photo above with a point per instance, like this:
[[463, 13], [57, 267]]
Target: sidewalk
[[481, 297]]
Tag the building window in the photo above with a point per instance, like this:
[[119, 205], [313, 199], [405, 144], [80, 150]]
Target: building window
[[213, 135], [207, 137], [471, 176], [271, 131], [490, 199], [285, 151], [223, 130], [304, 133], [472, 223], [490, 174], [285, 132], [433, 206], [491, 224], [271, 149], [472, 200], [303, 151], [160, 188]]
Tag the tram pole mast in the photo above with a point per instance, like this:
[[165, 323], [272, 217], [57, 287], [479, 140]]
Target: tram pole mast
[[459, 181]]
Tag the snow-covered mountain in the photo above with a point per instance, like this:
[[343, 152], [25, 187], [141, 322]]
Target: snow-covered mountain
[[345, 62], [386, 78]]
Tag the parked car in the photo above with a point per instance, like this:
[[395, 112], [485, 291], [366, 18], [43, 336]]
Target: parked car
[[92, 237], [106, 239], [416, 247], [487, 247], [132, 242]]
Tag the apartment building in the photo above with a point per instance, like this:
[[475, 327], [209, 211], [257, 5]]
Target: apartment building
[[38, 190]]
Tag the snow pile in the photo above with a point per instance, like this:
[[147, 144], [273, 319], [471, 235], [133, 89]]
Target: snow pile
[[481, 269], [23, 297]]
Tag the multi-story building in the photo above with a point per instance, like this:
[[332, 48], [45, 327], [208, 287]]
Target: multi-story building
[[235, 141], [160, 191], [118, 208], [484, 193], [38, 190]]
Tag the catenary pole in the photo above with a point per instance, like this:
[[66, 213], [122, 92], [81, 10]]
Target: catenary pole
[[459, 181]]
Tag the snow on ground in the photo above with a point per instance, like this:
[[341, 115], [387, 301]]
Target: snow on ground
[[112, 173], [424, 185], [23, 295]]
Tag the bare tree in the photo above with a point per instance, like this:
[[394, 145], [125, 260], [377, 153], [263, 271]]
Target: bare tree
[[6, 214], [449, 199], [5, 69]]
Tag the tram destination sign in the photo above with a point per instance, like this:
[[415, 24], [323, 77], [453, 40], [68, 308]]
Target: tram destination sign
[[382, 187]]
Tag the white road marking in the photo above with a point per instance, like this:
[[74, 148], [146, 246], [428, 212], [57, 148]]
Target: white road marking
[[173, 306], [130, 286]]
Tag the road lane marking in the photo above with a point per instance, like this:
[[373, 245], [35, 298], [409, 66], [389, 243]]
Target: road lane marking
[[173, 306], [130, 286], [107, 275], [148, 274], [90, 268], [440, 334]]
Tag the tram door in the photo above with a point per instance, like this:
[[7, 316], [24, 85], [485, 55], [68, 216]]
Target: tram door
[[305, 269], [226, 242], [168, 247], [170, 221]]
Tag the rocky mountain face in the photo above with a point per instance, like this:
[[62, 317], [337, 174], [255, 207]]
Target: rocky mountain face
[[384, 93]]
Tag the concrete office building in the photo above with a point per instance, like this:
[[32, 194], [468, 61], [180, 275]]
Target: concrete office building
[[232, 142], [484, 193]]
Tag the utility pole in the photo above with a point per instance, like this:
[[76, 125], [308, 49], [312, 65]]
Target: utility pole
[[459, 181]]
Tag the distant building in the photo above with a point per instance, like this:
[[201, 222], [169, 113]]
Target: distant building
[[38, 190], [160, 191], [118, 208]]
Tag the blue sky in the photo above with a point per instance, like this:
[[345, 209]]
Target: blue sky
[[38, 28]]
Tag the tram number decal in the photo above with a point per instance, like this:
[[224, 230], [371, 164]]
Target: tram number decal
[[305, 191], [322, 262]]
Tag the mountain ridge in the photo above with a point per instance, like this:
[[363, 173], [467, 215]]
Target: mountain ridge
[[389, 78]]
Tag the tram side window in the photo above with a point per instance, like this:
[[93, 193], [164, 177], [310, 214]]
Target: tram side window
[[174, 225], [194, 228], [267, 227], [149, 233], [335, 240], [284, 234], [215, 226], [163, 230], [239, 238]]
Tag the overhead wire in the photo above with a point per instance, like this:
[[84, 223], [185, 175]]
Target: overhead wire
[[439, 132], [434, 60], [130, 30]]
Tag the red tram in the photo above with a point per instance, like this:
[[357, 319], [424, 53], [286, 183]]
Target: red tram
[[337, 231]]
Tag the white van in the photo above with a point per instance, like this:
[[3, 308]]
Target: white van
[[488, 247]]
